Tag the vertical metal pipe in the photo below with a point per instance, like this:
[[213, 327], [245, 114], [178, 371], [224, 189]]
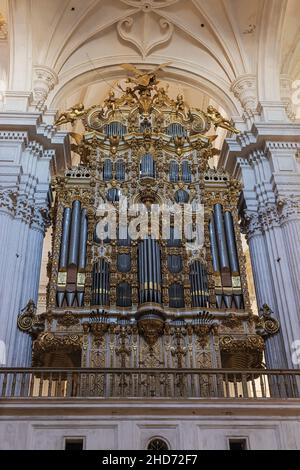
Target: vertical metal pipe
[[203, 303], [107, 284], [231, 244], [64, 244], [192, 282], [140, 269], [83, 240], [205, 283], [158, 258], [154, 269], [75, 232], [214, 246], [146, 281], [98, 281], [199, 287], [221, 238], [200, 297], [101, 283], [150, 268], [93, 285]]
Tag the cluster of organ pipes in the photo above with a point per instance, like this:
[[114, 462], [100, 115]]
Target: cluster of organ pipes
[[100, 286], [225, 259], [72, 260], [72, 264], [199, 285], [149, 271]]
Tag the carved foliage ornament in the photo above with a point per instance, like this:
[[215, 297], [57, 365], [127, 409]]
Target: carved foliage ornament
[[28, 320], [48, 342], [267, 325]]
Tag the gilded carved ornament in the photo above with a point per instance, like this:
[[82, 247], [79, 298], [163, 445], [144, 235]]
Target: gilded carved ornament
[[28, 321], [266, 324]]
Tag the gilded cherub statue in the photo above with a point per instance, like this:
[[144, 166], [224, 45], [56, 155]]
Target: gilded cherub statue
[[76, 112], [111, 101], [179, 104], [161, 97], [143, 80], [219, 121]]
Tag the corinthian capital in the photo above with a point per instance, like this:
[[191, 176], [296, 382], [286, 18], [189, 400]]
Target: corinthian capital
[[40, 218], [290, 208], [8, 199], [251, 225]]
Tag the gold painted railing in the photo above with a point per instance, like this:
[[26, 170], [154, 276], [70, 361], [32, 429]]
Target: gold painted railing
[[148, 383]]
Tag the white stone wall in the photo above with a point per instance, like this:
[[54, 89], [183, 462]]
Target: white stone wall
[[184, 426]]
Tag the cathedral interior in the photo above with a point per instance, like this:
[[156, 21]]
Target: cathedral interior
[[150, 224]]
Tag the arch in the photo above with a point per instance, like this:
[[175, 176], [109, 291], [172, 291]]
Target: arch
[[158, 443]]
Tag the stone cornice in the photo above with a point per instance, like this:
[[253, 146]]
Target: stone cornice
[[39, 127], [242, 145]]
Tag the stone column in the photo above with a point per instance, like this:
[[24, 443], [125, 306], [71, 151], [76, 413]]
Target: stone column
[[24, 187], [290, 222], [275, 354]]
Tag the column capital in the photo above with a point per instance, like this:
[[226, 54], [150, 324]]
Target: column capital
[[44, 80], [290, 208], [251, 225], [8, 200], [19, 206], [244, 89]]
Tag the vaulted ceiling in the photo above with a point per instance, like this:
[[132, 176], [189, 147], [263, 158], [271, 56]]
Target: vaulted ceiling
[[210, 44]]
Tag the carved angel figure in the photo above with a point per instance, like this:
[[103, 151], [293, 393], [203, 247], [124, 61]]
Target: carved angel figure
[[143, 80], [71, 115], [219, 121], [179, 104]]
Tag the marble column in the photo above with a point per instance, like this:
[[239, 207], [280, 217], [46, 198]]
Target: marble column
[[22, 239], [275, 354], [24, 187]]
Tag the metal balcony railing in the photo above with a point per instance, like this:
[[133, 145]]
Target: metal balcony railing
[[148, 383]]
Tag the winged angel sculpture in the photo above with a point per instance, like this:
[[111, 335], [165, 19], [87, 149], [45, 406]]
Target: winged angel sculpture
[[143, 80], [139, 92]]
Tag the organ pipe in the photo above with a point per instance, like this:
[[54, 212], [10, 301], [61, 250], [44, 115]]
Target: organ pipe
[[198, 278], [63, 260], [231, 244], [158, 270], [75, 233], [214, 246], [83, 240], [100, 283], [221, 237], [149, 271]]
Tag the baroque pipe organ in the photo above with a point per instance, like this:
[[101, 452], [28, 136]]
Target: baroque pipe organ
[[147, 301]]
